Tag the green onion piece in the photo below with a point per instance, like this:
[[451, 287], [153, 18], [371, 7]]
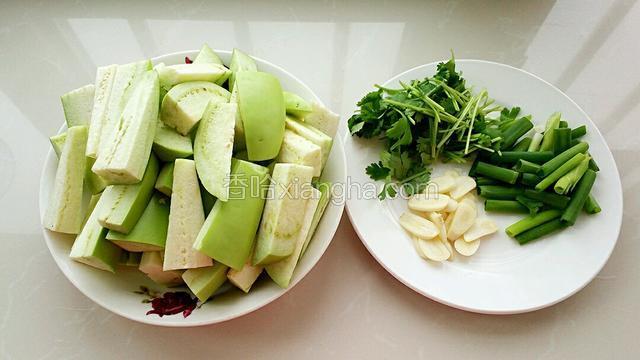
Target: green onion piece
[[496, 172], [512, 157], [535, 142], [515, 131], [591, 206], [562, 140], [523, 144], [508, 206], [540, 231], [557, 173], [533, 205], [579, 197], [551, 199], [578, 132], [531, 222], [529, 179], [486, 181], [593, 165], [551, 165], [497, 192], [525, 166], [552, 124], [563, 124], [568, 181]]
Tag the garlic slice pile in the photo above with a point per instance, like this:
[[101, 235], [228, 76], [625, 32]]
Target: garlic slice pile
[[445, 217]]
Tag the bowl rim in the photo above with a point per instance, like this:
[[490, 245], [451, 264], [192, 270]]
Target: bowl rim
[[155, 320], [582, 285]]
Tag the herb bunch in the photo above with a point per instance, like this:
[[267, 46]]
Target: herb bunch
[[436, 118]]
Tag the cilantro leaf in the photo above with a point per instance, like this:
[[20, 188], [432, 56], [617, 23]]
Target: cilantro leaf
[[401, 132], [377, 171]]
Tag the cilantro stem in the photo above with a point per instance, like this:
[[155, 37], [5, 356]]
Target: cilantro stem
[[421, 95], [460, 118], [483, 95], [426, 111]]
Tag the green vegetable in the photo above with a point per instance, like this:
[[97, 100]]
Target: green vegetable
[[164, 181], [562, 140], [525, 166], [496, 172], [512, 157], [540, 231], [568, 181], [559, 172], [532, 221], [204, 281], [90, 246], [64, 212], [532, 205], [551, 165], [551, 199], [78, 105], [486, 181], [57, 142], [515, 131], [150, 232], [529, 179], [523, 144], [578, 132], [124, 204], [552, 123], [261, 108], [563, 124], [593, 165], [295, 105], [207, 56], [168, 145], [591, 206], [535, 142], [229, 230], [508, 206], [240, 62], [579, 198], [496, 192]]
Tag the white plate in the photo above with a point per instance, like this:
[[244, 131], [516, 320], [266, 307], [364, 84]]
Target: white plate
[[115, 292], [502, 277]]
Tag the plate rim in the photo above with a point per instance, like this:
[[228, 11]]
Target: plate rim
[[347, 137], [154, 321]]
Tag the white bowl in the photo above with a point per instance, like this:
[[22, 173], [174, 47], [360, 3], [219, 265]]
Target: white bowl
[[116, 292], [502, 277]]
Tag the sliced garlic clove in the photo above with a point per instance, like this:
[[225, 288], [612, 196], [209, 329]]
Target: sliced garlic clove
[[481, 227], [463, 219], [418, 226], [464, 184], [428, 202], [450, 248], [422, 214], [443, 184], [452, 205], [466, 248], [438, 221], [416, 244], [470, 196], [434, 249], [453, 173], [447, 221]]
